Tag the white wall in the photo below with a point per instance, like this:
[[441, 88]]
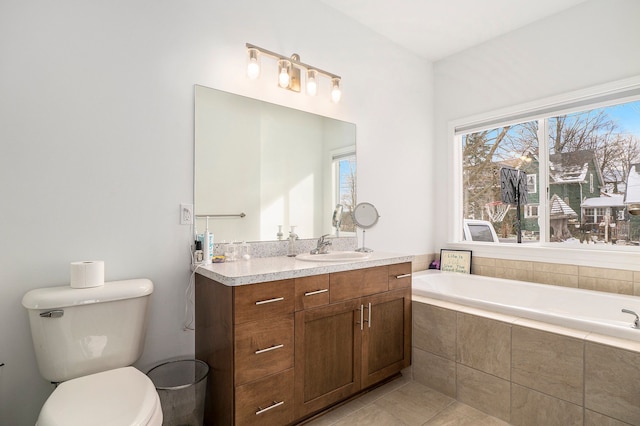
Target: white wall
[[591, 44], [96, 144]]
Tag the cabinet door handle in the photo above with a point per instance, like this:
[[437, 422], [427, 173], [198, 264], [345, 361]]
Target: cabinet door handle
[[271, 348], [361, 316], [369, 315], [402, 276], [311, 293], [262, 302], [264, 410]]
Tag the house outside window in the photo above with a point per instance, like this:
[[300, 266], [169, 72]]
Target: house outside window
[[584, 158]]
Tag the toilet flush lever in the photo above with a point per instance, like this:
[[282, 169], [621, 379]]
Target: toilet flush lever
[[56, 313], [636, 323]]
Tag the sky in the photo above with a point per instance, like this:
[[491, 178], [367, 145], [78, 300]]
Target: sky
[[628, 117]]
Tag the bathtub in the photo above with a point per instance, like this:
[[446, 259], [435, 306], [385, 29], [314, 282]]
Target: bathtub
[[585, 310]]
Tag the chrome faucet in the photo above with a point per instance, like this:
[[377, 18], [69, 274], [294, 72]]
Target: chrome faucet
[[636, 323], [323, 245]]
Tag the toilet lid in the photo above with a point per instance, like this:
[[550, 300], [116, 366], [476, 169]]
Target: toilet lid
[[124, 396]]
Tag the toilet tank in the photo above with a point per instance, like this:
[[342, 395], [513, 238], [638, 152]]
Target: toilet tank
[[80, 331]]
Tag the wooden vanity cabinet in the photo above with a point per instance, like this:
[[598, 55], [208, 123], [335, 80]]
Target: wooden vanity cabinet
[[245, 334], [281, 351], [361, 338]]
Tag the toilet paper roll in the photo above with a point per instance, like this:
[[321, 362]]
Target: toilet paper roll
[[87, 274]]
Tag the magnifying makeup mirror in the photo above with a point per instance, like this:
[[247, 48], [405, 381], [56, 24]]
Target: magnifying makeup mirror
[[365, 215]]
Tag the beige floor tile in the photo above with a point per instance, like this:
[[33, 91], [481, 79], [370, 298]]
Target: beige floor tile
[[370, 415], [337, 414], [459, 414], [409, 403], [379, 392], [414, 403], [591, 418]]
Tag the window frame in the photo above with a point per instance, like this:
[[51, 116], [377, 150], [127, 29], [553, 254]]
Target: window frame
[[336, 155], [617, 92]]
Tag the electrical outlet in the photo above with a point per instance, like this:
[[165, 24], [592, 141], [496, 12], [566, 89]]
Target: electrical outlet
[[186, 214]]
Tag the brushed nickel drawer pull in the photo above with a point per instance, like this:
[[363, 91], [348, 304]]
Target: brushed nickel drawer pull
[[264, 410], [402, 276], [271, 348], [368, 320], [361, 316], [262, 302], [312, 293]]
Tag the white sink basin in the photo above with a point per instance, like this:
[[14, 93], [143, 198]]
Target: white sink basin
[[334, 256]]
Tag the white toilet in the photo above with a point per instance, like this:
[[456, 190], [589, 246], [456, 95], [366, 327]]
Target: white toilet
[[86, 339]]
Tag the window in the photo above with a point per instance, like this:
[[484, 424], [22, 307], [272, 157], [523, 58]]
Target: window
[[344, 166], [585, 157], [530, 210]]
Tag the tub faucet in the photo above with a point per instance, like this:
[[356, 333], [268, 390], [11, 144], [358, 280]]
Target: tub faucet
[[323, 246], [636, 323]]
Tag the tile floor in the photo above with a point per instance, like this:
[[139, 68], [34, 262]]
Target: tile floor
[[404, 402]]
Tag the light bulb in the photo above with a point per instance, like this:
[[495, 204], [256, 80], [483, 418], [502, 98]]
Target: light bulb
[[283, 75], [253, 67], [335, 90], [312, 84]]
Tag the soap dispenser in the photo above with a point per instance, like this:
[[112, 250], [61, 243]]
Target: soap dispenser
[[291, 250]]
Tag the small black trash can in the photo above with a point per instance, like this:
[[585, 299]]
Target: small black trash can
[[182, 385]]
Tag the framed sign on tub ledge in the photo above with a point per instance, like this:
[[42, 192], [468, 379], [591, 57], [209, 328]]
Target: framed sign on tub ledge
[[455, 261]]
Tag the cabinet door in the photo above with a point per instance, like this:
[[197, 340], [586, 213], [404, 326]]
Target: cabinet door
[[327, 355], [386, 341]]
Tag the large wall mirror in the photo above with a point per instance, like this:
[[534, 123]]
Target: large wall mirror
[[261, 168]]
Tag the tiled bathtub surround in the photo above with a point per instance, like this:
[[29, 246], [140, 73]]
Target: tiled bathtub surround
[[586, 277], [525, 372]]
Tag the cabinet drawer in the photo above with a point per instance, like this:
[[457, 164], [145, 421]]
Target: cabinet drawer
[[267, 401], [360, 282], [312, 291], [263, 348], [262, 301], [399, 275]]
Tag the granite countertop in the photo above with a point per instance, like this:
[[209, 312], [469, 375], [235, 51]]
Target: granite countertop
[[256, 270]]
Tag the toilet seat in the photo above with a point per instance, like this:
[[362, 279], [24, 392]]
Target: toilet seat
[[124, 396]]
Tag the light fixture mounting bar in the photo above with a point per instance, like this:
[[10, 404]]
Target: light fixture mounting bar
[[294, 59]]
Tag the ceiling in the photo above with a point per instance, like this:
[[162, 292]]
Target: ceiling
[[434, 29]]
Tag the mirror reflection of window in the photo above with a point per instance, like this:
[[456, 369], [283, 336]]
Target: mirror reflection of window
[[344, 166]]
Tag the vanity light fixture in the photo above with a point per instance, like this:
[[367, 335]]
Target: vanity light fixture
[[289, 72], [312, 83], [335, 90], [253, 67]]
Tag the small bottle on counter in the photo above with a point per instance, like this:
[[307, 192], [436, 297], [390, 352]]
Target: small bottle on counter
[[244, 251]]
